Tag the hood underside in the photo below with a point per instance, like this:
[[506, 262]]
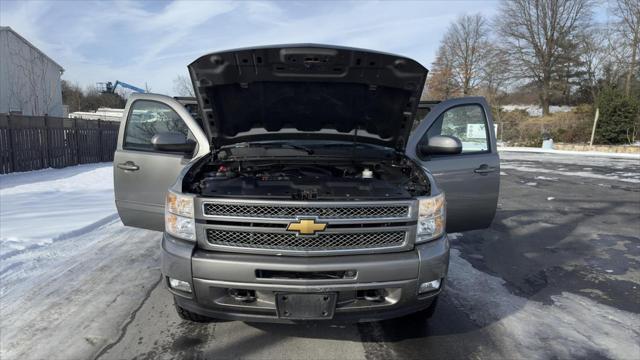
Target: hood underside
[[291, 92]]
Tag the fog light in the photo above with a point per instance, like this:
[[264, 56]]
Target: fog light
[[429, 286], [179, 285]]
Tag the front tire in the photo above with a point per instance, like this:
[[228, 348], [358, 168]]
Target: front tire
[[185, 314], [428, 312]]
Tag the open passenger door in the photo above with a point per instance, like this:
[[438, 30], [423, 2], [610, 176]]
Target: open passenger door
[[142, 173], [471, 178]]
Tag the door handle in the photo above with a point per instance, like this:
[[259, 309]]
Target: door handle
[[128, 166], [484, 169]]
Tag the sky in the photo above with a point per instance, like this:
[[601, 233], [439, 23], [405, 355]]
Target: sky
[[152, 42]]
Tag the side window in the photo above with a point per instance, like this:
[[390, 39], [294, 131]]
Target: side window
[[467, 123], [148, 118]]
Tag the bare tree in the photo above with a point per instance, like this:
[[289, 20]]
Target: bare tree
[[595, 54], [538, 34], [441, 83], [182, 86], [458, 68], [493, 74], [466, 40], [72, 95], [628, 28], [93, 99]]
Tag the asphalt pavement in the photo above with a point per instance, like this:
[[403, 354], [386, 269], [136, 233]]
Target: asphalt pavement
[[556, 276]]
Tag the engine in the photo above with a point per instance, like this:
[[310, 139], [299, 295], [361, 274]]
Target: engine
[[311, 180]]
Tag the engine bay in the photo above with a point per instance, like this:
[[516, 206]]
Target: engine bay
[[309, 180]]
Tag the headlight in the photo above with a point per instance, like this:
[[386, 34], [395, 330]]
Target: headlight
[[178, 216], [431, 218], [180, 204]]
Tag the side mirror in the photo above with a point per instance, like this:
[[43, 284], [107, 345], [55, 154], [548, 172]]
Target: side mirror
[[173, 142], [441, 145]]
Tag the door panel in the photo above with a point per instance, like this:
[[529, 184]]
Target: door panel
[[470, 180], [143, 175]]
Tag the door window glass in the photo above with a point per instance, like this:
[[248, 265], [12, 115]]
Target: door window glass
[[148, 118], [467, 123]]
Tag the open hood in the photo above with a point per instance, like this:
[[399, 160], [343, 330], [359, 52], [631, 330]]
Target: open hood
[[307, 91]]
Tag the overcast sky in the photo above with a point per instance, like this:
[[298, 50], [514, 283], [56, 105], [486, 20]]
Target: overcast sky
[[153, 42]]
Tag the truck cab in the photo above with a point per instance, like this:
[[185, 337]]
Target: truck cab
[[305, 190]]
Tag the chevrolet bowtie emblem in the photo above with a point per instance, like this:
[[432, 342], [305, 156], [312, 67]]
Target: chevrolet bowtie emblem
[[306, 227]]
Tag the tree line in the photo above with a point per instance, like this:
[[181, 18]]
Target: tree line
[[89, 99], [553, 49]]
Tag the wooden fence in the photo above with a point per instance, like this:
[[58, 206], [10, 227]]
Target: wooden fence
[[38, 142]]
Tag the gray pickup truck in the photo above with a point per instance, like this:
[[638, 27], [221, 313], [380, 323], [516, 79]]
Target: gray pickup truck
[[301, 189]]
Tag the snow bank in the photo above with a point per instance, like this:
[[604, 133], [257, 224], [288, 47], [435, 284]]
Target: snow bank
[[40, 207]]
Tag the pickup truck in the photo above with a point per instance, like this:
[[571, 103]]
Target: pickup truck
[[301, 189]]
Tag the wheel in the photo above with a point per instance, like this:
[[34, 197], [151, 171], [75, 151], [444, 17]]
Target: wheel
[[428, 312], [191, 316], [416, 320]]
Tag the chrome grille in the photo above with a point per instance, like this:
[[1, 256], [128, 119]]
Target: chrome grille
[[291, 242], [292, 211]]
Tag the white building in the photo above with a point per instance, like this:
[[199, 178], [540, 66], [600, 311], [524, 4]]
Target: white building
[[29, 79]]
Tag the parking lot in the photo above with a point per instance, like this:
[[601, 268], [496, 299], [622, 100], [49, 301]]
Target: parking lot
[[556, 276]]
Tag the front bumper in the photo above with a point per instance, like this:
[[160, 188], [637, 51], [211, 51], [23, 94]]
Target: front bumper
[[396, 275]]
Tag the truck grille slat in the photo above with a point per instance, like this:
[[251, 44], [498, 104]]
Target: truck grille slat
[[291, 211], [352, 227], [292, 242]]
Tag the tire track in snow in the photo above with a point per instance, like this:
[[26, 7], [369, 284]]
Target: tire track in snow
[[64, 236]]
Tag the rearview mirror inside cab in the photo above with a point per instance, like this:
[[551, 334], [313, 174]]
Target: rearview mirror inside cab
[[173, 142], [441, 145]]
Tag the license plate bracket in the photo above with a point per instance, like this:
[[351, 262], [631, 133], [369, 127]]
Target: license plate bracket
[[300, 306]]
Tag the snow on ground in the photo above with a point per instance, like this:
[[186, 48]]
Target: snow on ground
[[40, 207], [536, 110], [572, 158], [572, 327], [69, 299], [572, 153], [619, 176], [595, 167], [546, 178], [70, 272]]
